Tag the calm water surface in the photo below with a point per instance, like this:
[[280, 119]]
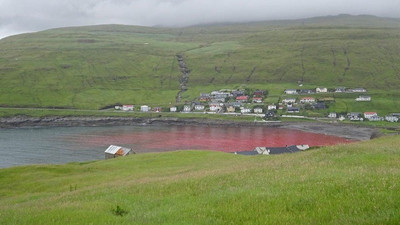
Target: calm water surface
[[24, 146]]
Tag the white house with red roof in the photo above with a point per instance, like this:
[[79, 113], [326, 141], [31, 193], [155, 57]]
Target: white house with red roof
[[257, 99], [369, 115], [307, 100], [215, 107], [127, 107], [243, 98]]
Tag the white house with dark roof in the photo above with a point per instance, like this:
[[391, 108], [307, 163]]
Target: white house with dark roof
[[173, 109], [363, 98], [332, 115], [288, 100], [258, 110], [187, 108], [359, 90], [290, 91], [271, 107], [392, 119]]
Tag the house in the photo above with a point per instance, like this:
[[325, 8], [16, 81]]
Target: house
[[340, 90], [319, 105], [288, 100], [205, 95], [321, 90], [259, 93], [368, 115], [307, 100], [245, 110], [354, 116], [243, 98], [290, 91], [215, 107], [157, 109], [306, 91], [199, 107], [332, 115], [128, 107], [236, 104], [218, 99], [293, 110], [391, 119], [258, 110], [204, 99], [269, 114], [274, 150], [144, 108], [237, 93], [173, 109], [376, 118], [363, 98], [271, 107], [257, 99], [395, 114], [358, 90], [117, 107], [326, 99], [114, 151], [219, 94], [342, 117], [187, 108], [230, 109]]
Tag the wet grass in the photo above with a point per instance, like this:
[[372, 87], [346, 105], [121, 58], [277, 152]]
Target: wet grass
[[345, 184]]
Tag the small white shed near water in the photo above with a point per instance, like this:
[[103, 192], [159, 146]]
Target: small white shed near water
[[114, 151]]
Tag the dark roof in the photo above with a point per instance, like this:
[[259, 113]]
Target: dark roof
[[290, 109], [247, 153], [272, 150], [281, 150], [319, 105]]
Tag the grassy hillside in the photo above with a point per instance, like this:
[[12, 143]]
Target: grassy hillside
[[344, 184], [92, 67]]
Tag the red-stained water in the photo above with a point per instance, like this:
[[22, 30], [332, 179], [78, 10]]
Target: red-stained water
[[226, 139]]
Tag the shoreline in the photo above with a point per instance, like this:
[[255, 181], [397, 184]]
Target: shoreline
[[349, 131]]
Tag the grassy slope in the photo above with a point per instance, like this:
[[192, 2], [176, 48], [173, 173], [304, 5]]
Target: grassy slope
[[344, 184], [91, 67]]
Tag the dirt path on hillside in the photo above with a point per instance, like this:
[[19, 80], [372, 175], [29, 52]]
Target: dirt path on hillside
[[184, 77]]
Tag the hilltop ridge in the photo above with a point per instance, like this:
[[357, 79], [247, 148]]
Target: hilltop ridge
[[95, 66]]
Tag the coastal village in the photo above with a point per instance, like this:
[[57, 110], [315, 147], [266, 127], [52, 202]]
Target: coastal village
[[293, 103]]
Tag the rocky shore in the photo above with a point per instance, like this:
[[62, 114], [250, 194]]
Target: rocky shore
[[341, 130]]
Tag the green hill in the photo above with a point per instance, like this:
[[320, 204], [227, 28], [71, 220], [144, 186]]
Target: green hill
[[346, 184], [92, 67]]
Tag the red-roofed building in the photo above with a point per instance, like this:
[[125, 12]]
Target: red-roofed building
[[369, 115], [127, 107], [243, 98], [257, 99], [307, 100]]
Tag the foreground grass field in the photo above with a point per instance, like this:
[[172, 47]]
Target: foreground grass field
[[345, 184]]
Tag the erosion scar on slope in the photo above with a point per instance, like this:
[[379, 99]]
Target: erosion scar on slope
[[184, 77]]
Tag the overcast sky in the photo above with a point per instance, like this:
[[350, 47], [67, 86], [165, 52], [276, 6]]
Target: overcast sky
[[18, 16]]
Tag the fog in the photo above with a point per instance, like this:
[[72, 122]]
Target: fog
[[18, 16]]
